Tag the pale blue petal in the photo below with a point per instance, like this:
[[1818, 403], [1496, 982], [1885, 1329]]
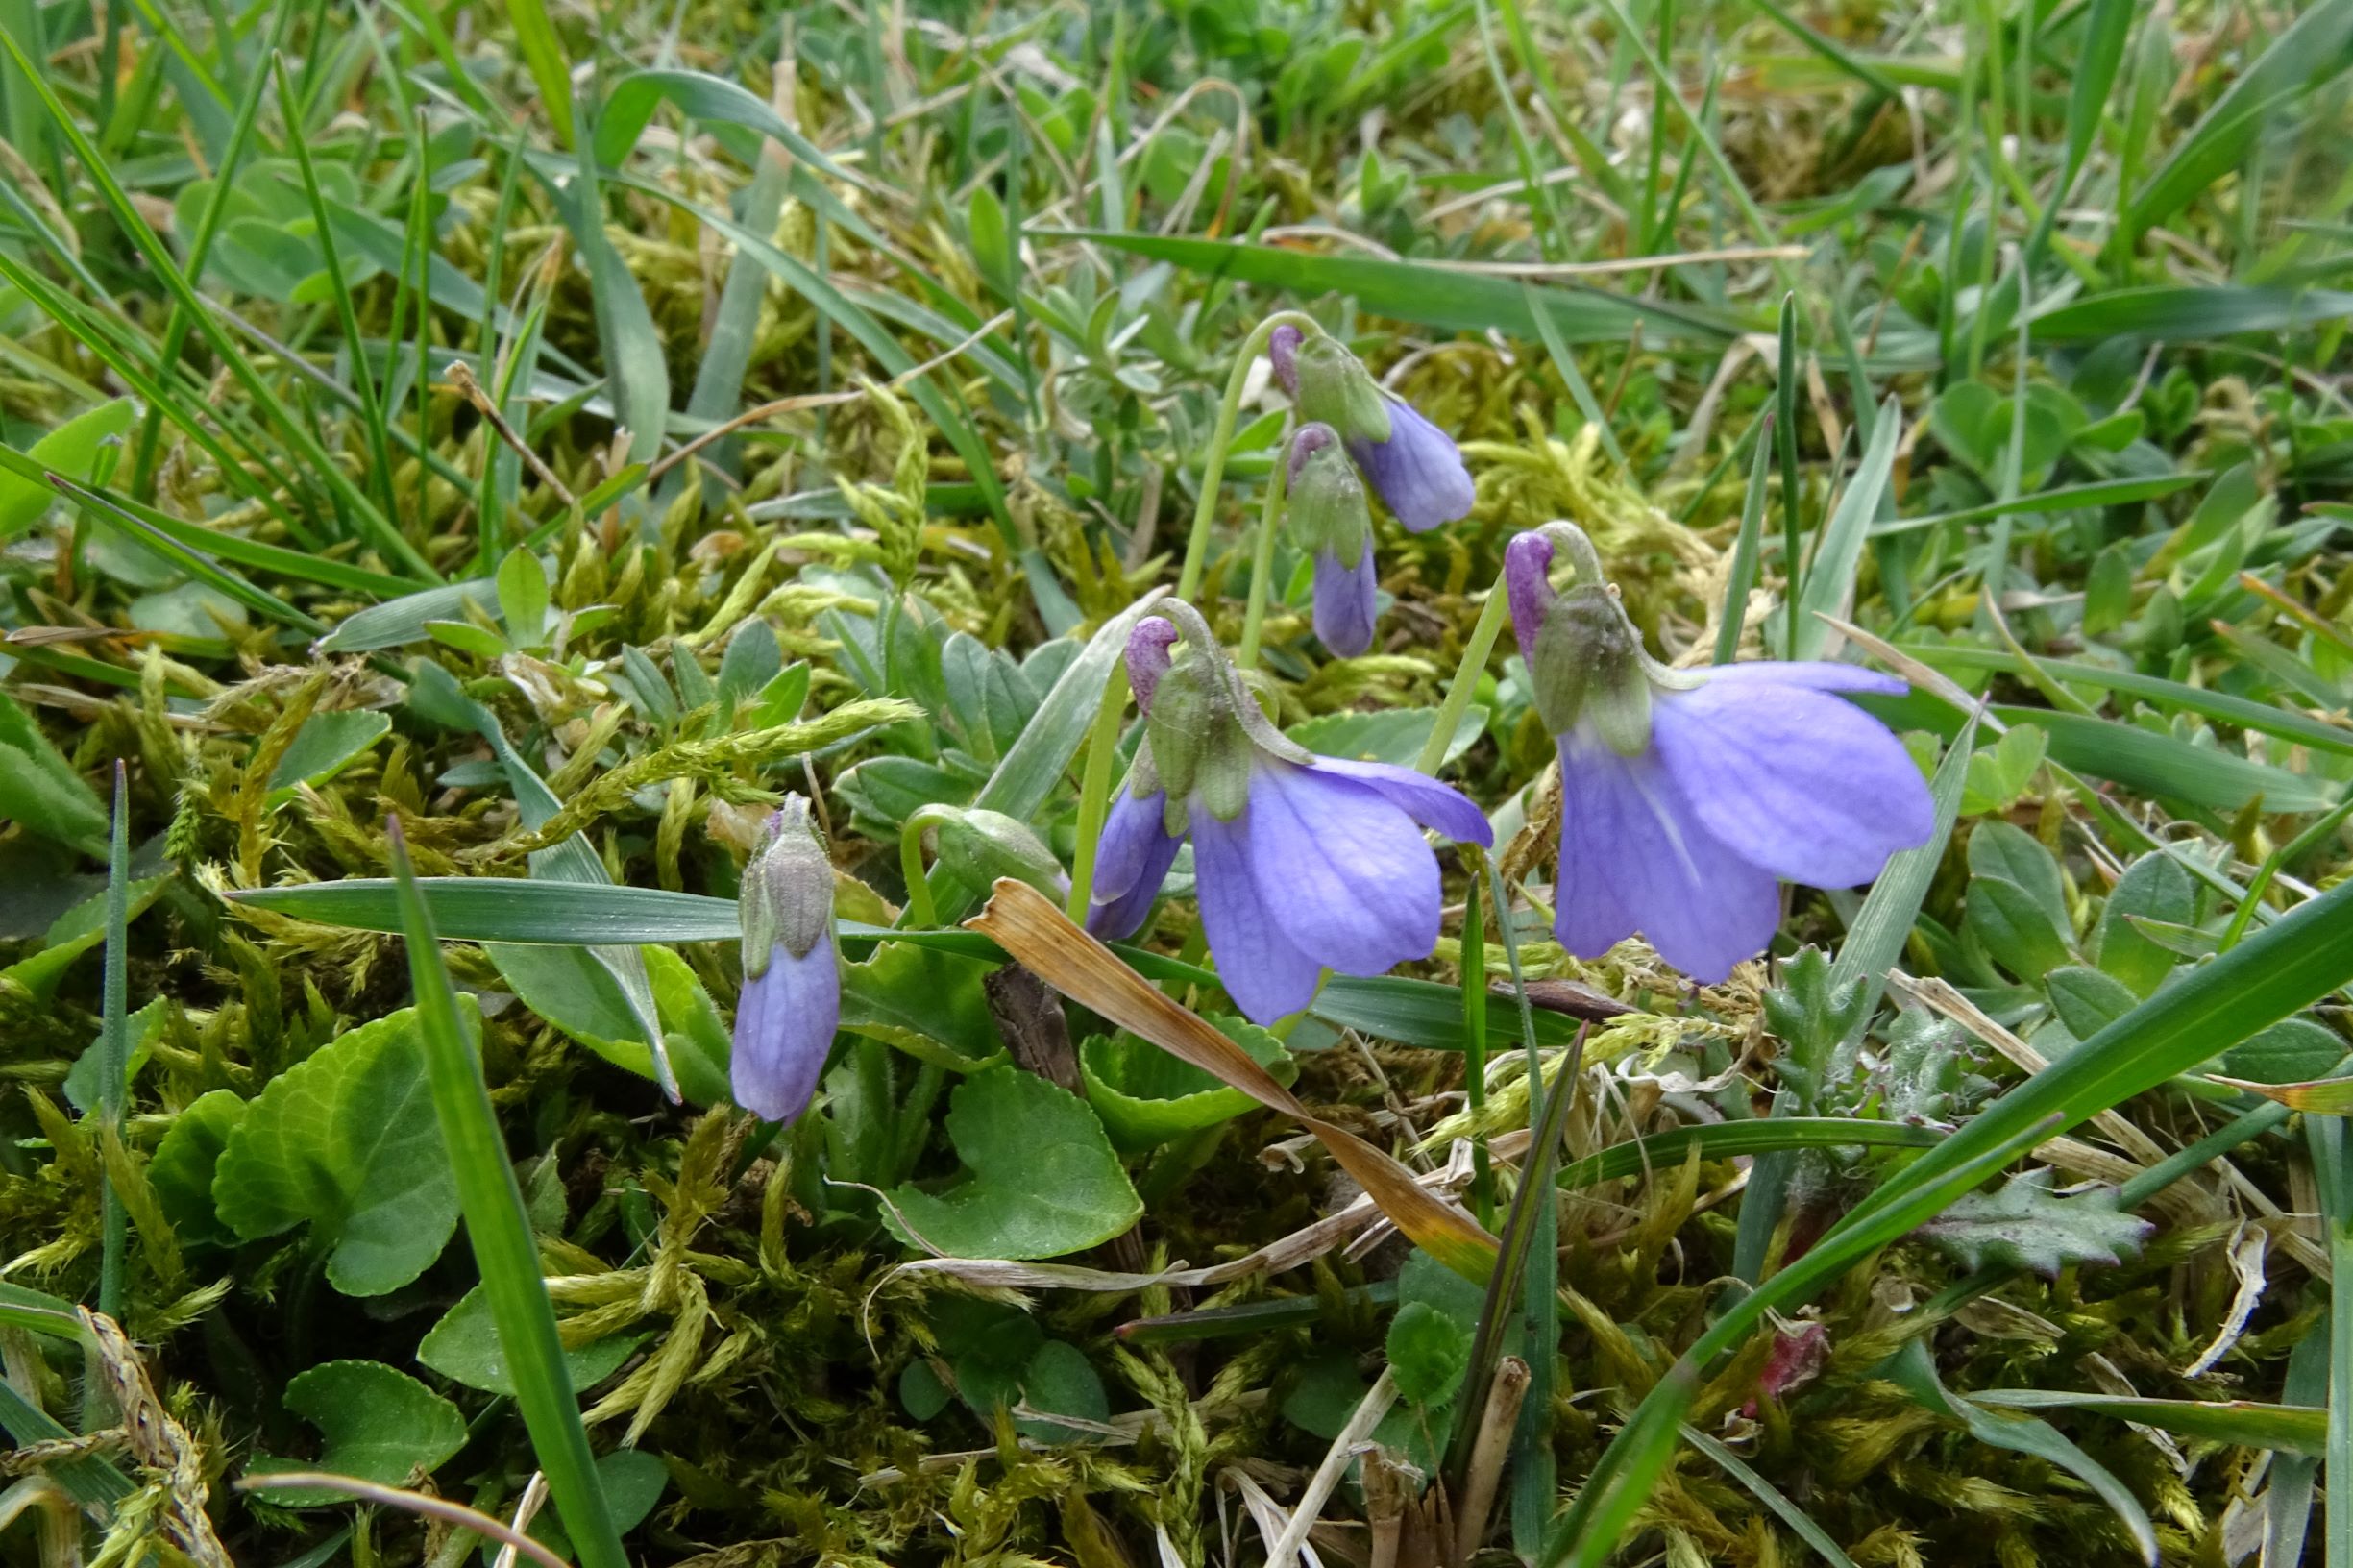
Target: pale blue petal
[[1418, 470], [1345, 606], [1345, 873], [784, 1027], [1798, 782], [1133, 836], [1267, 977], [1118, 918], [1429, 802], [1814, 675], [1631, 858]]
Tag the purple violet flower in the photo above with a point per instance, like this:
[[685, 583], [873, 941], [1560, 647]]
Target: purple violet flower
[[790, 1004], [1328, 521], [1688, 796], [1301, 863], [1416, 466]]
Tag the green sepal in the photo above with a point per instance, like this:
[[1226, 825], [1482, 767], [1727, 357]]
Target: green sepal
[[1336, 388]]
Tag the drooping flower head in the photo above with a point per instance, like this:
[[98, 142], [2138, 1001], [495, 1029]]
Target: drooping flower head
[[1301, 863], [791, 1003], [1328, 523], [1414, 465], [1688, 796]]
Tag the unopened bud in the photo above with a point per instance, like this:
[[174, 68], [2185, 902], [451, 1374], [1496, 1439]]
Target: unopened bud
[[1332, 387], [1585, 661], [1326, 511], [979, 845], [787, 897]]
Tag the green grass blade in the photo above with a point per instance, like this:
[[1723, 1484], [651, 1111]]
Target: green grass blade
[[194, 562], [2310, 51], [1742, 579], [316, 459], [1771, 1496], [1731, 1139], [511, 909], [371, 408], [1793, 493], [543, 54], [1566, 363], [2332, 1154], [2289, 1428], [114, 1030], [499, 1228], [1838, 552], [1431, 296]]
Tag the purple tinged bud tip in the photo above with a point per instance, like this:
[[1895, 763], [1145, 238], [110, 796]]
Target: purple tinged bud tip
[[1307, 441], [1527, 560], [1148, 658], [1283, 352]]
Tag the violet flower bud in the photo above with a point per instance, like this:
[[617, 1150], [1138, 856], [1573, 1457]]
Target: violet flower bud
[[790, 1004], [1328, 524], [1688, 796], [1302, 863], [1414, 465]]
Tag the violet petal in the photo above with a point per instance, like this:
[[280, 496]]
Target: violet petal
[[1801, 783], [1262, 971], [1131, 859], [784, 1027], [1345, 873], [1632, 858], [1418, 470], [1345, 607], [1429, 802]]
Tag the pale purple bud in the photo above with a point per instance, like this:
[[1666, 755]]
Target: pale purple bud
[[1283, 352], [1148, 658], [790, 1004]]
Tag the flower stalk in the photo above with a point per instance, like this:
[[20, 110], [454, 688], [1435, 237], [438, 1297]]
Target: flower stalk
[[1262, 562], [1222, 437], [1095, 791], [1459, 690], [921, 914]]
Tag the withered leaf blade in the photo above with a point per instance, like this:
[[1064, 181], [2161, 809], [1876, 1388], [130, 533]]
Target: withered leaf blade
[[2315, 1097], [1027, 925]]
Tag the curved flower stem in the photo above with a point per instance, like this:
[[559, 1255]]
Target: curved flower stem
[[1213, 460], [1262, 563], [1095, 792], [1475, 653], [921, 914]]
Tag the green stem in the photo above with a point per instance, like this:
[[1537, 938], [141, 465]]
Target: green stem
[[1475, 653], [1213, 460], [1262, 562], [1474, 968], [114, 1056], [921, 914], [1095, 792]]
